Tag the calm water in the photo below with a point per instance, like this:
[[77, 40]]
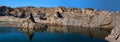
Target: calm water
[[52, 34]]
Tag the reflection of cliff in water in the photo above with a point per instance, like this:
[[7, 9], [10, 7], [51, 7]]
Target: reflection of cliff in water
[[5, 30], [28, 32], [99, 33], [92, 32]]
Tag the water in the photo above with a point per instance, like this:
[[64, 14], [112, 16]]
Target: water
[[52, 34]]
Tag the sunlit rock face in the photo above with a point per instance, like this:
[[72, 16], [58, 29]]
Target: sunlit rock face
[[115, 33], [86, 17], [31, 23]]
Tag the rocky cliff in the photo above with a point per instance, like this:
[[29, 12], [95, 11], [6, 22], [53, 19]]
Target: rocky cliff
[[32, 17]]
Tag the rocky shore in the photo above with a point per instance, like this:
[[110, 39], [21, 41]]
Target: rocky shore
[[34, 18]]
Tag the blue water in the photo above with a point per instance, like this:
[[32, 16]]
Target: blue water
[[9, 34]]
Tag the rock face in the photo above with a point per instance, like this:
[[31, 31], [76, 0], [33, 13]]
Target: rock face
[[115, 33], [30, 23], [31, 17]]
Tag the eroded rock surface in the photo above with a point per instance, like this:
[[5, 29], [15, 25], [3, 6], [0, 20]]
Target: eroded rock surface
[[31, 24], [115, 33], [86, 17]]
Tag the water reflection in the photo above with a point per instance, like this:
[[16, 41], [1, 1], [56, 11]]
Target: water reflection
[[92, 32], [5, 30], [28, 32], [53, 34]]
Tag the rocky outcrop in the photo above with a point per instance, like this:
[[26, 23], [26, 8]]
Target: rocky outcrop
[[115, 33], [5, 10], [31, 24], [31, 17]]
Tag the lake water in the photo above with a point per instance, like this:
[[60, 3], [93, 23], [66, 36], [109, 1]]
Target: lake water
[[53, 34]]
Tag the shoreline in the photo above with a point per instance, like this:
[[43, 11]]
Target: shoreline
[[7, 24]]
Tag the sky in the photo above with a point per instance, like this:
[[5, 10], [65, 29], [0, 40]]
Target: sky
[[109, 5]]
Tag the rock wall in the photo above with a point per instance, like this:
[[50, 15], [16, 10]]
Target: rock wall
[[115, 33]]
